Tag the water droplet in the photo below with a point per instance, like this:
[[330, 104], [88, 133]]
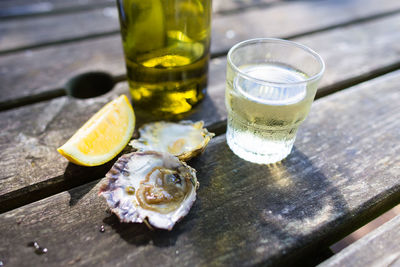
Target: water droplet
[[230, 34], [38, 249], [102, 230]]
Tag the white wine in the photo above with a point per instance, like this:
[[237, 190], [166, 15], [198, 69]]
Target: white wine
[[264, 116]]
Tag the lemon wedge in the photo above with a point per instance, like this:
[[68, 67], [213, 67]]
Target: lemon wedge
[[103, 136]]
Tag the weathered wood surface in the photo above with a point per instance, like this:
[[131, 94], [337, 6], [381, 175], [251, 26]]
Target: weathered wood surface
[[18, 8], [348, 52], [31, 166], [39, 70], [23, 33], [353, 53], [357, 51], [286, 19], [32, 72], [342, 171], [27, 33], [380, 248]]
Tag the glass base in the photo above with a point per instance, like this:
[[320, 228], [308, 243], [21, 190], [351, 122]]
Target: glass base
[[271, 151]]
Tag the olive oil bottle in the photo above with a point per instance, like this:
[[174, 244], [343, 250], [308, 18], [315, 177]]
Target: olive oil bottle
[[166, 46]]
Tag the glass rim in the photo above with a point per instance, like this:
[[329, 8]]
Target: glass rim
[[282, 41]]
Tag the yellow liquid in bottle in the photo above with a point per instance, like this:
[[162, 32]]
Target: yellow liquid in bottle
[[166, 45]]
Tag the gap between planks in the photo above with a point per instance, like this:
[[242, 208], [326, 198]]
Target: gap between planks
[[60, 42], [65, 10], [55, 185], [21, 101], [347, 206], [322, 91], [58, 184], [220, 127], [214, 55], [57, 92], [83, 8]]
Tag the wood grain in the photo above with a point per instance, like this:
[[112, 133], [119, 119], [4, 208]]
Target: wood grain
[[24, 8], [32, 72], [18, 8], [39, 70], [31, 166], [28, 32], [336, 178], [295, 18], [285, 19], [379, 248], [348, 52]]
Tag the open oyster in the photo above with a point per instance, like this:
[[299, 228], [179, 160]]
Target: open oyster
[[184, 139], [151, 186]]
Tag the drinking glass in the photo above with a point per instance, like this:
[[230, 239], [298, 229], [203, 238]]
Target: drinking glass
[[270, 86], [166, 47]]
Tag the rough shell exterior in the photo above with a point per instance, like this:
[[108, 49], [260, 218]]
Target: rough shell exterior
[[126, 177]]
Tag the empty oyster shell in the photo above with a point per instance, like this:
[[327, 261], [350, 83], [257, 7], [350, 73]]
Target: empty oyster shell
[[184, 139], [152, 186]]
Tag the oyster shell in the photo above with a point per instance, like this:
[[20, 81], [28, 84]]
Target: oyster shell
[[151, 186], [184, 139]]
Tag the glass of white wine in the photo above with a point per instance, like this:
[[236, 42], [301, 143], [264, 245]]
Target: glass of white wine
[[270, 86]]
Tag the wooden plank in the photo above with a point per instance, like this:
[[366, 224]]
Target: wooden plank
[[28, 32], [35, 71], [336, 46], [353, 52], [280, 20], [18, 8], [349, 52], [29, 139], [54, 4], [30, 136], [41, 70], [294, 19], [231, 6], [379, 248], [246, 214]]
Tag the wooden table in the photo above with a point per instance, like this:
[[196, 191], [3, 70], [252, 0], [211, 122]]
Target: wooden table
[[344, 169]]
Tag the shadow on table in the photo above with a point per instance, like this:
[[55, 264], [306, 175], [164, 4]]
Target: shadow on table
[[140, 235], [252, 213], [75, 175], [248, 213]]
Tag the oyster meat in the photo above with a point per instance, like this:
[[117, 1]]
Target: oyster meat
[[184, 139], [151, 186]]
